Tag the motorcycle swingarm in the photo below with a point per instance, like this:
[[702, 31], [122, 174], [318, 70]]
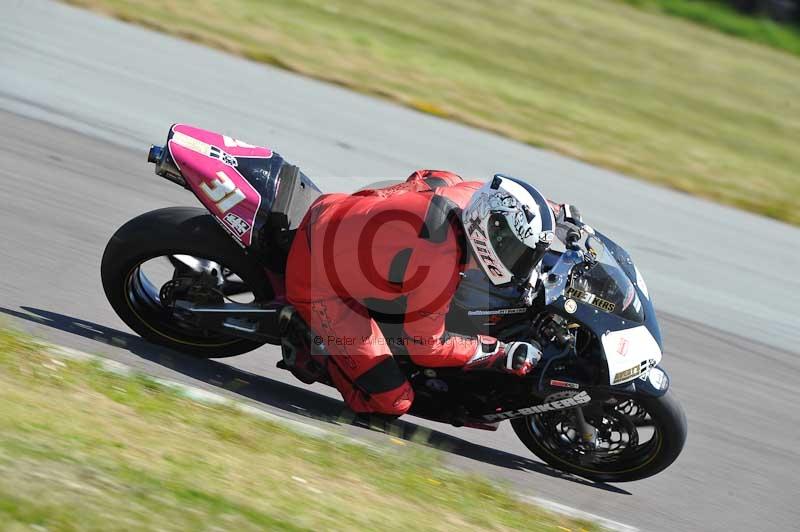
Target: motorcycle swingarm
[[253, 322]]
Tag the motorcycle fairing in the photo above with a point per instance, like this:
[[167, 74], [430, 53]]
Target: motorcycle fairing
[[480, 307], [630, 349], [626, 263], [630, 353], [216, 167]]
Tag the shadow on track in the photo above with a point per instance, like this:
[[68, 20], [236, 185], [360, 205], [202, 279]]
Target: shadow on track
[[283, 396]]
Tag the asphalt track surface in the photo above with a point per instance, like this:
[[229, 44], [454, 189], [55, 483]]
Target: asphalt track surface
[[81, 98]]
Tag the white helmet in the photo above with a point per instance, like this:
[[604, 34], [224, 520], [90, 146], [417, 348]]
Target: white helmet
[[510, 227]]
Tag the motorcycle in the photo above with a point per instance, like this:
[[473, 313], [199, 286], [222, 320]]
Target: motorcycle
[[210, 282]]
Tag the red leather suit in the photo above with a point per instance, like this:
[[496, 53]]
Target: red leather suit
[[381, 244]]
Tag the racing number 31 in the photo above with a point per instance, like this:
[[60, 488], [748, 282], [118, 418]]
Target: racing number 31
[[223, 192]]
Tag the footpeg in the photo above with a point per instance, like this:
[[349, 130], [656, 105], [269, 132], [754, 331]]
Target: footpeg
[[300, 352]]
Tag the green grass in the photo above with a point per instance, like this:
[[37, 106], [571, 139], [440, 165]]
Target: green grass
[[85, 449], [719, 15], [650, 95]]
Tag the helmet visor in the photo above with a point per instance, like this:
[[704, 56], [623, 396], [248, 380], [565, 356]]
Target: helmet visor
[[512, 252]]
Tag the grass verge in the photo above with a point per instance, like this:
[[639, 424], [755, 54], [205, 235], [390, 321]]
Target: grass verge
[[621, 87], [719, 15], [85, 449]]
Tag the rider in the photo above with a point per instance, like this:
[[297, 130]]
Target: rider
[[406, 243]]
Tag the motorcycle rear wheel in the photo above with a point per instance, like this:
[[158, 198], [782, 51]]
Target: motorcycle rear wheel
[[169, 232], [663, 414]]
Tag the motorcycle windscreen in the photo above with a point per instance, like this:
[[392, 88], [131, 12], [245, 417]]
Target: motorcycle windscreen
[[231, 178]]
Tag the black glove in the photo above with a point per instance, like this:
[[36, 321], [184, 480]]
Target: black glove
[[569, 213]]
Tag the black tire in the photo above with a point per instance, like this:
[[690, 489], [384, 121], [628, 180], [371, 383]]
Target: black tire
[[669, 422], [176, 231]]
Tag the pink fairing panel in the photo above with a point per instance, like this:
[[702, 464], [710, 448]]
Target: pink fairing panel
[[208, 162]]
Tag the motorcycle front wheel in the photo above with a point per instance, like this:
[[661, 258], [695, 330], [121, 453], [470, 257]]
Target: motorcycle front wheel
[[150, 259], [635, 438]]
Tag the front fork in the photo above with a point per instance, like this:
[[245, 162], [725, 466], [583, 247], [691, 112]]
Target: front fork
[[654, 384], [588, 433]]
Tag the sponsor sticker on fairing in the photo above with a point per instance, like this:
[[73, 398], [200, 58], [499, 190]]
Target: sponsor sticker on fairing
[[622, 347], [191, 143], [564, 384], [569, 402], [627, 374], [237, 224], [226, 158], [590, 299], [500, 311]]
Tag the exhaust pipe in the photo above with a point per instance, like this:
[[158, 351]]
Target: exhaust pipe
[[165, 166]]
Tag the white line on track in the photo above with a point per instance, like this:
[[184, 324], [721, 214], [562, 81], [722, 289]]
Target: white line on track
[[563, 509]]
